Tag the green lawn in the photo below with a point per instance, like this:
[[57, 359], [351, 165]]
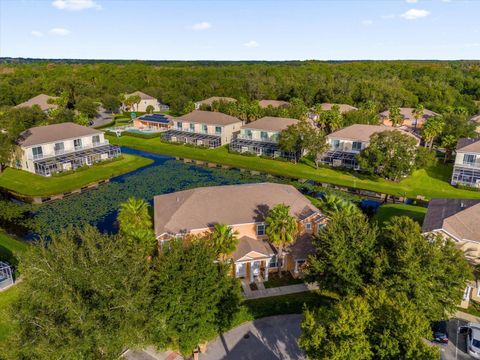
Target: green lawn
[[26, 183], [430, 183], [8, 243], [7, 325], [385, 212]]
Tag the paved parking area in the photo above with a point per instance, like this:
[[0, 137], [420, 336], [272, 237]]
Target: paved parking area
[[456, 349], [269, 338]]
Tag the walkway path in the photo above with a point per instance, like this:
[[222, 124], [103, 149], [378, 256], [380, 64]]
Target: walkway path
[[277, 291], [270, 338]]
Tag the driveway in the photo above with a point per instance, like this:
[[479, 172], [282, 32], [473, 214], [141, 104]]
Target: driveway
[[269, 338], [102, 118]]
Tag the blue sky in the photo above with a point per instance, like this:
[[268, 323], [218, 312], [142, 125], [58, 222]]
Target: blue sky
[[240, 30]]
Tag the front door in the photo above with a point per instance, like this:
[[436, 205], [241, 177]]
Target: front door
[[240, 270], [256, 268]]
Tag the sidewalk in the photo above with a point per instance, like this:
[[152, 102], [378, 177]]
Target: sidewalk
[[281, 290], [467, 317]]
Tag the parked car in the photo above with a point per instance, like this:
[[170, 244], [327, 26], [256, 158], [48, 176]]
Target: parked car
[[439, 330], [473, 339]]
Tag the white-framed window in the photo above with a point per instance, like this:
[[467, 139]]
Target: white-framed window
[[320, 227], [95, 139], [192, 127], [179, 125], [205, 128], [298, 264], [260, 229], [273, 262], [336, 144], [357, 145], [308, 226], [77, 143], [218, 130]]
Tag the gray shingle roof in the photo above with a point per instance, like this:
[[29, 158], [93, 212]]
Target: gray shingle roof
[[468, 145], [41, 100], [363, 132]]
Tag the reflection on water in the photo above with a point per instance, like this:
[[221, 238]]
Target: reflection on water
[[99, 206]]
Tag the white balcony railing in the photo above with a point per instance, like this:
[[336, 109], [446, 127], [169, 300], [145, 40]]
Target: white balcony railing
[[470, 165], [67, 151]]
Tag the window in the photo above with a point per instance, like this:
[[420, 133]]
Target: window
[[264, 135], [273, 262], [320, 227], [179, 125], [205, 129], [192, 127], [59, 148], [357, 145], [218, 130], [260, 229], [95, 139], [37, 152], [308, 226], [336, 144], [77, 143], [468, 159]]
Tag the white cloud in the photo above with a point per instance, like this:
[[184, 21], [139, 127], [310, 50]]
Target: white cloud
[[36, 33], [59, 31], [367, 22], [413, 14], [202, 26], [251, 44], [75, 5], [411, 1]]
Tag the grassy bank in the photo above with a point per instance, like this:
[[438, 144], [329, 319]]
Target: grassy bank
[[430, 183], [386, 212], [29, 184]]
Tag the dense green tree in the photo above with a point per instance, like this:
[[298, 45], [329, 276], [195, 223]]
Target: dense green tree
[[111, 103], [338, 331], [62, 115], [418, 112], [136, 223], [344, 261], [432, 128], [88, 107], [149, 109], [390, 154], [290, 141], [281, 228], [449, 142], [188, 291], [331, 120], [89, 298], [315, 143], [332, 204]]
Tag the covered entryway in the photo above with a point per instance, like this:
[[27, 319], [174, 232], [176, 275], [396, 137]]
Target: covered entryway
[[252, 258]]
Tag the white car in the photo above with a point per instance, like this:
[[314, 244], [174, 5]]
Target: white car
[[473, 339]]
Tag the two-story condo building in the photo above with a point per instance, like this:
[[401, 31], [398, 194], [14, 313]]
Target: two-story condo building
[[457, 220], [466, 170], [244, 208], [343, 108], [44, 102], [45, 150], [203, 128], [145, 101], [273, 103], [208, 102], [409, 119], [346, 143], [261, 137]]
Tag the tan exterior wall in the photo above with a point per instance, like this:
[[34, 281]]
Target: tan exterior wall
[[407, 122]]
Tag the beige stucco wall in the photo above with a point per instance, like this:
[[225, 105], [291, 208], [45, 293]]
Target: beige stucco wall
[[345, 145], [226, 134]]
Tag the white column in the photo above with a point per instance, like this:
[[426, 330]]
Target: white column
[[251, 271], [266, 268]]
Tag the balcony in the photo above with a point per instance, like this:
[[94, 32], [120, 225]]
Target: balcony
[[469, 164], [67, 151], [272, 139]]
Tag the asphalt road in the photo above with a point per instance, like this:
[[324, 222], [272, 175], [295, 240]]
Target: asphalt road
[[270, 338]]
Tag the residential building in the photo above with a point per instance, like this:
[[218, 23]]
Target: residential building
[[476, 120], [244, 208], [459, 221], [409, 119], [203, 128], [347, 143], [261, 137], [273, 103], [44, 102], [50, 149], [344, 108], [145, 101], [153, 122], [208, 102], [466, 170]]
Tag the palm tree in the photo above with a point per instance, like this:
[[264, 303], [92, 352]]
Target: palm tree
[[134, 221], [332, 204], [418, 113], [395, 116], [281, 229], [224, 240], [433, 127]]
